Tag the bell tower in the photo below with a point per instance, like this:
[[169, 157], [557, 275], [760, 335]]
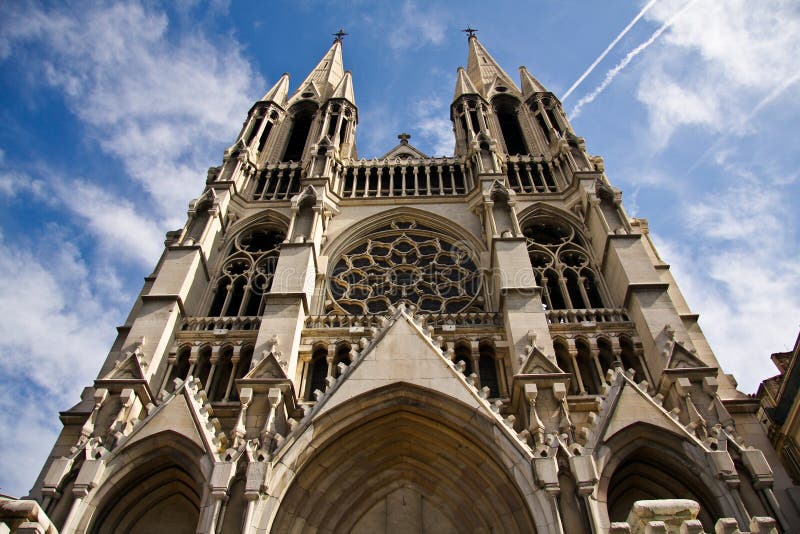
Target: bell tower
[[484, 342]]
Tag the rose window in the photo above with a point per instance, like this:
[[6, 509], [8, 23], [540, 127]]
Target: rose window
[[410, 263]]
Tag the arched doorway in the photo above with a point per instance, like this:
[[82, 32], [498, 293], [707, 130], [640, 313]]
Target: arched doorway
[[406, 459], [158, 488]]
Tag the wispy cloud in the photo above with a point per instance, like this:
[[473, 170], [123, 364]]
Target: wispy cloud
[[414, 27], [434, 126], [157, 103], [612, 73], [608, 49]]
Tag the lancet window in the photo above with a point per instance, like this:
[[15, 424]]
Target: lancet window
[[302, 118], [407, 262], [505, 108], [562, 266], [246, 274]]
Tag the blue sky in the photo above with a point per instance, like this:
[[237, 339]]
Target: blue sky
[[110, 115]]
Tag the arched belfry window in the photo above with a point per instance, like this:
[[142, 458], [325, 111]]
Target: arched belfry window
[[246, 274], [563, 266], [406, 262], [505, 108], [302, 118]]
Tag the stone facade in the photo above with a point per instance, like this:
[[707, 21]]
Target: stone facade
[[477, 343]]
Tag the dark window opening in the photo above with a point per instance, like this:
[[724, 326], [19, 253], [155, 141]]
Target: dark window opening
[[264, 136], [506, 110], [318, 372], [487, 367], [301, 125]]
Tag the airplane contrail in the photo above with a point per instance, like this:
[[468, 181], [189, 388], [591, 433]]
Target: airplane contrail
[[611, 74], [777, 91], [608, 49]]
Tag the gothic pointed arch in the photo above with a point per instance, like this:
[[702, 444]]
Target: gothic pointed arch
[[157, 485], [647, 462], [398, 444], [562, 261], [244, 274]]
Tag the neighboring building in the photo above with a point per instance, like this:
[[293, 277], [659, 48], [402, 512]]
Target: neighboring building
[[476, 343], [780, 409]]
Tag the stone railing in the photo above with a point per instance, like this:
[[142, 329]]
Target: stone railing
[[405, 178], [444, 321], [278, 182], [591, 315], [197, 324], [531, 174]]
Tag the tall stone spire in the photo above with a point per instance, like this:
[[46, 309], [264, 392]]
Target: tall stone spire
[[324, 78], [278, 92], [484, 71], [530, 85]]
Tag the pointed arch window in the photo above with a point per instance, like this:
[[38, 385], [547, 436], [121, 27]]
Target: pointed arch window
[[487, 369], [302, 117], [506, 107], [562, 266], [246, 274], [317, 372]]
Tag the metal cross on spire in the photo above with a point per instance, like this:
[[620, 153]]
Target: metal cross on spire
[[470, 31], [339, 35]]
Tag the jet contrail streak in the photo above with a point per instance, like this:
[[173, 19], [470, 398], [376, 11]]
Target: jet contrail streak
[[611, 74], [775, 93], [608, 49]]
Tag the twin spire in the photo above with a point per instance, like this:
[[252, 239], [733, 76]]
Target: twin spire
[[326, 81], [483, 76]]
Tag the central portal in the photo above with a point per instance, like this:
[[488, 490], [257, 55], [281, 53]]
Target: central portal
[[405, 459]]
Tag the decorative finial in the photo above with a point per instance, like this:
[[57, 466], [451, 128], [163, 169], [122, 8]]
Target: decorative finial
[[404, 137], [339, 35], [470, 32]]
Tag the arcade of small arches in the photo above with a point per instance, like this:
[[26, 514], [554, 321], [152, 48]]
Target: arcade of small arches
[[216, 366]]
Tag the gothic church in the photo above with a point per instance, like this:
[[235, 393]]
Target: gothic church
[[480, 343]]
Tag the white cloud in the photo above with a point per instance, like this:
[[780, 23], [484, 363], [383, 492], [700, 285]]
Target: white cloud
[[414, 28], [158, 103], [56, 330], [739, 270], [719, 59], [122, 230], [434, 126]]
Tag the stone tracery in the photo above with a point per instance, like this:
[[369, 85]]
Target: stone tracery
[[406, 262]]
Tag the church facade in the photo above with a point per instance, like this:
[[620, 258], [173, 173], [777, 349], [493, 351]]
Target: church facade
[[477, 343]]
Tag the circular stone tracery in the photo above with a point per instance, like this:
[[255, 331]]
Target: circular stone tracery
[[410, 263]]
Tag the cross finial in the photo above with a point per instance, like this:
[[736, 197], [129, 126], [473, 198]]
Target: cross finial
[[404, 137], [339, 35], [470, 31]]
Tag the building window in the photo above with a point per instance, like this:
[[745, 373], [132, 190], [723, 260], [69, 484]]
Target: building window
[[487, 370], [562, 266], [317, 372], [246, 274], [410, 263], [301, 126], [505, 108]]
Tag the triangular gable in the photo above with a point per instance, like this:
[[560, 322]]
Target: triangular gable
[[187, 413], [267, 368], [128, 368], [173, 416], [402, 352], [626, 405], [682, 358], [501, 86], [538, 363], [404, 150]]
